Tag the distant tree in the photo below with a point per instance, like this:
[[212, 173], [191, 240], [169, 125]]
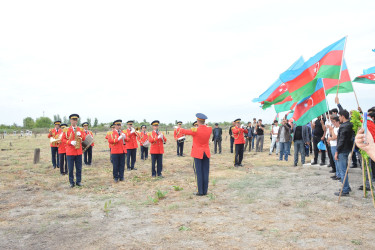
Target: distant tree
[[43, 122], [56, 118], [144, 121], [65, 120], [28, 123], [96, 122], [89, 122]]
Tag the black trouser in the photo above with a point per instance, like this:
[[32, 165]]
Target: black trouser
[[316, 140], [354, 158], [156, 159], [202, 172], [55, 156], [110, 155], [87, 156], [62, 159], [180, 148], [330, 156], [231, 144], [132, 153], [118, 162], [77, 161], [144, 153], [239, 154], [217, 143]]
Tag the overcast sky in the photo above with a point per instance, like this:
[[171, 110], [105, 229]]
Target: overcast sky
[[168, 60]]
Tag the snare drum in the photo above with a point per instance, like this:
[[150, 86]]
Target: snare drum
[[87, 142]]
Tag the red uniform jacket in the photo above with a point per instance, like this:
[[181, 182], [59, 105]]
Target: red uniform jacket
[[178, 133], [62, 146], [89, 132], [238, 134], [157, 146], [131, 140], [142, 137], [68, 137], [201, 138], [54, 134], [118, 146], [106, 137]]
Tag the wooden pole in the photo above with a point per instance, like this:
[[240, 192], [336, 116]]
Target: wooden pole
[[346, 174], [36, 155], [370, 181], [364, 176], [355, 95]]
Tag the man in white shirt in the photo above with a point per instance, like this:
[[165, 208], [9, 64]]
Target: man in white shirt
[[274, 132]]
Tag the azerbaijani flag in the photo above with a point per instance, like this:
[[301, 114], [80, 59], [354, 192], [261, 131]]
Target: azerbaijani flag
[[302, 82], [368, 76], [277, 91], [285, 105], [312, 106], [346, 86]]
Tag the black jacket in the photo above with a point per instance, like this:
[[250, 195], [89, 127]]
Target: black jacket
[[345, 138], [220, 134]]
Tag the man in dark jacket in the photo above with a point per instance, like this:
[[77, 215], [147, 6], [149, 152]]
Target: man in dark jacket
[[217, 137], [300, 138], [283, 138], [248, 137], [231, 137], [319, 129], [344, 147]]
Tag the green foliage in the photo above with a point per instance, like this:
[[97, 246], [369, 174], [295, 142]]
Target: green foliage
[[214, 182], [177, 188], [65, 120], [107, 207], [89, 122], [211, 196], [43, 122], [153, 200], [184, 228], [28, 123], [356, 120], [56, 118], [357, 242], [96, 122], [161, 194]]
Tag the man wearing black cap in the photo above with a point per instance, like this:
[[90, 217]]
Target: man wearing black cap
[[201, 152], [109, 133], [131, 146], [73, 137], [239, 140], [180, 138], [217, 137], [118, 151], [87, 155], [157, 140], [54, 133]]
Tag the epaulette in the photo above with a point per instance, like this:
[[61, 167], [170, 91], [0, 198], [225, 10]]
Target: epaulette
[[149, 133], [65, 130], [109, 132], [81, 129], [233, 128], [194, 129]]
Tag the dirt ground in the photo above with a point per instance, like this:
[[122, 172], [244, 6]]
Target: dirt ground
[[265, 204]]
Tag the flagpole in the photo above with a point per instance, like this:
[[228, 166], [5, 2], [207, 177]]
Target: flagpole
[[342, 58], [355, 94], [325, 95]]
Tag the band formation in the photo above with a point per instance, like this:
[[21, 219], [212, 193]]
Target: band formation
[[68, 143]]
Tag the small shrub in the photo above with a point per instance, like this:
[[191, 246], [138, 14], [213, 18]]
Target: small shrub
[[160, 194], [177, 188]]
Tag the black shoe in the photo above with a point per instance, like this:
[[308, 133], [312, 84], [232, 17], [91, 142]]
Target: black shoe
[[336, 178], [133, 168], [314, 163], [240, 165], [72, 185], [198, 194], [235, 165], [332, 171], [342, 194], [295, 164], [361, 188], [322, 164], [79, 184], [333, 177], [160, 176], [355, 166], [350, 189], [121, 179], [116, 180]]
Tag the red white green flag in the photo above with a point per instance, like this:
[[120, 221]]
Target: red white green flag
[[286, 105], [367, 79], [311, 107]]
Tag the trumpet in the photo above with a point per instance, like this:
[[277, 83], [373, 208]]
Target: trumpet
[[56, 139], [78, 140]]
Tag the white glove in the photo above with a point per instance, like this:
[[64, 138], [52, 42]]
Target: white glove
[[123, 135], [132, 130], [120, 137], [73, 143], [160, 136], [243, 126], [79, 133]]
